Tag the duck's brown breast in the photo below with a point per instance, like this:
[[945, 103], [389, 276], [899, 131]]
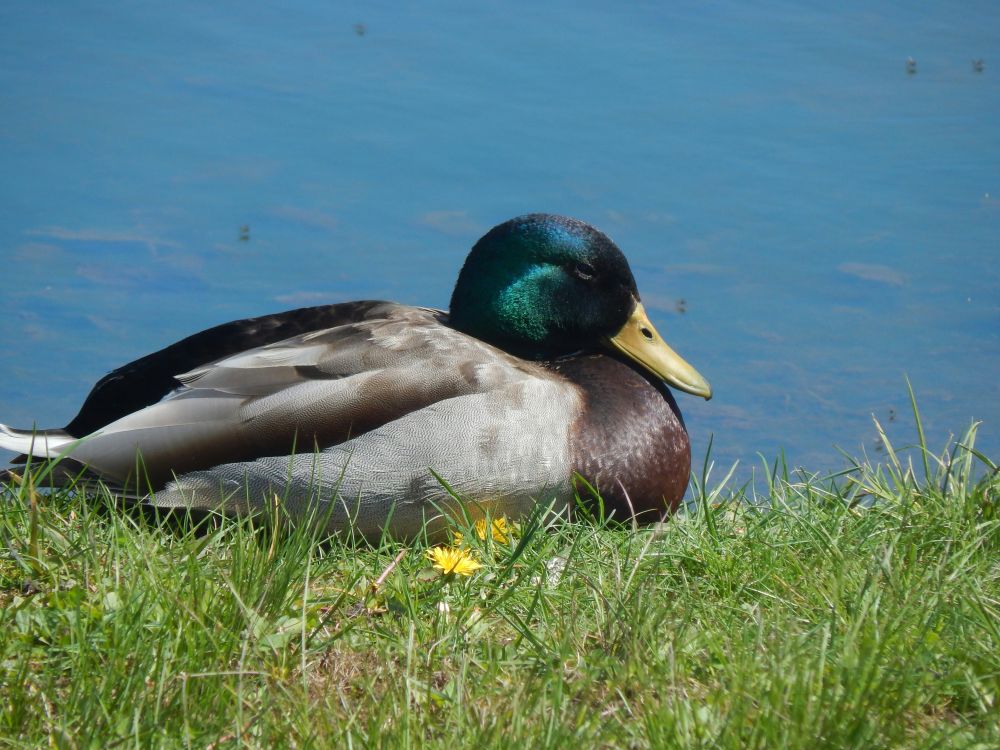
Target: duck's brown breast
[[630, 441]]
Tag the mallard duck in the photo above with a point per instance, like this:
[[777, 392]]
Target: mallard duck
[[545, 368]]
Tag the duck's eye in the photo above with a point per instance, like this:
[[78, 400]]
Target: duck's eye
[[583, 271]]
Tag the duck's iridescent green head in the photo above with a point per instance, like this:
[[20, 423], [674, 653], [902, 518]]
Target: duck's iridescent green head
[[541, 286]]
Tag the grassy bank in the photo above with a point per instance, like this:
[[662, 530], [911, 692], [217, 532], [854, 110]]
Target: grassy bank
[[856, 611]]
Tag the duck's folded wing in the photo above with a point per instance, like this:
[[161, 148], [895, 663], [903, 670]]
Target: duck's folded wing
[[145, 381], [305, 393]]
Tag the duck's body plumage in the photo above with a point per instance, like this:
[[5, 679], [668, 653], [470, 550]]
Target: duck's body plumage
[[359, 410]]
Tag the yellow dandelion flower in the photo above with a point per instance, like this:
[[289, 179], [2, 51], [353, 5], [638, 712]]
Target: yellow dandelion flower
[[501, 530], [453, 561]]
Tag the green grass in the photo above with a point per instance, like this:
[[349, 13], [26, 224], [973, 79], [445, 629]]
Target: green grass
[[861, 610]]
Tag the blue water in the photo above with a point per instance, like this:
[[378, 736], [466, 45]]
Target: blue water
[[830, 220]]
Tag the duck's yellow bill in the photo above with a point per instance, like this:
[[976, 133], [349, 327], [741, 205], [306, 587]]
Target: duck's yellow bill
[[640, 342]]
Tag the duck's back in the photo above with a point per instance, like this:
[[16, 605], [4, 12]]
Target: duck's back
[[145, 381]]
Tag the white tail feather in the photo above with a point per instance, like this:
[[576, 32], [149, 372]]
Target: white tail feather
[[37, 443]]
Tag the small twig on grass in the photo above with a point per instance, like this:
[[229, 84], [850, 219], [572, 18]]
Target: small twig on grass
[[359, 606], [385, 573]]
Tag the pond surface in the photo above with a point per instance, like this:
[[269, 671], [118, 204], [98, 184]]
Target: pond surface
[[810, 219]]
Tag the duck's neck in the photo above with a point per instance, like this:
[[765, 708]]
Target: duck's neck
[[520, 314]]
